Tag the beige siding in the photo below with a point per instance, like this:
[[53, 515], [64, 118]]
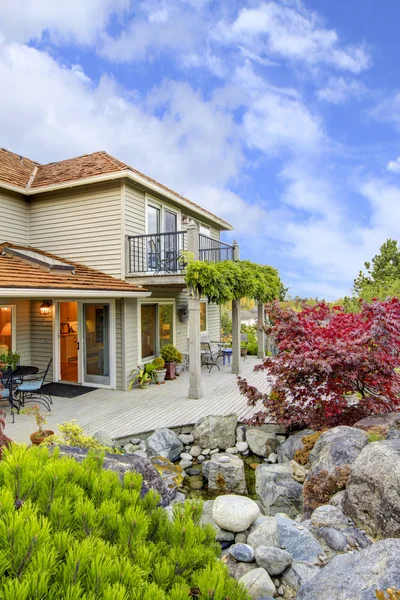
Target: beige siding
[[82, 224], [14, 215], [41, 338], [214, 322], [135, 211]]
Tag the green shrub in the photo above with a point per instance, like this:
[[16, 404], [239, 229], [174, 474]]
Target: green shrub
[[170, 353], [74, 531], [159, 363]]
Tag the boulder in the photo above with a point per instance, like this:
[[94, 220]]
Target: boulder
[[329, 516], [299, 574], [186, 438], [235, 513], [164, 442], [338, 499], [225, 473], [260, 442], [393, 434], [329, 524], [103, 438], [242, 552], [131, 448], [299, 473], [333, 538], [124, 463], [293, 443], [273, 560], [263, 532], [330, 461], [216, 431], [373, 491], [258, 583], [380, 423], [298, 541], [277, 490], [241, 568], [221, 535], [357, 575], [241, 433]]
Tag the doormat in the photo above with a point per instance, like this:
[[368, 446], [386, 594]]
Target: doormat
[[66, 390]]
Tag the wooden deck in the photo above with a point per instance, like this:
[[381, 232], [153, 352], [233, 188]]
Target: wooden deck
[[122, 414]]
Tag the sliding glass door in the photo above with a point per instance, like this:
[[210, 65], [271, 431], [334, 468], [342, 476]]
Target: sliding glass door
[[156, 328], [96, 337]]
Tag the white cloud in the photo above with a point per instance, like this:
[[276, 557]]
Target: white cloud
[[339, 90], [80, 21], [394, 165], [389, 110], [294, 33]]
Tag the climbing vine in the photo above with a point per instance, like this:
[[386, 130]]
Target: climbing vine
[[231, 280]]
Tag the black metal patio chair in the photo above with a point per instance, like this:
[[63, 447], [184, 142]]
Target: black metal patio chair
[[31, 390]]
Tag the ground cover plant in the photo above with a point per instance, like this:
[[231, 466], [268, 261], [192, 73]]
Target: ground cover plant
[[74, 531], [333, 367]]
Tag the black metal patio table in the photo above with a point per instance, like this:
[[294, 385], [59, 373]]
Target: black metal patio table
[[17, 376]]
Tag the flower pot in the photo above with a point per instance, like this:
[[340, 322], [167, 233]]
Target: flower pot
[[170, 368], [37, 438], [179, 369], [159, 375], [145, 384]]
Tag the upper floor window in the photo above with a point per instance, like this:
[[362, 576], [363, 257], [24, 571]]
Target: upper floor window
[[161, 219], [6, 328]]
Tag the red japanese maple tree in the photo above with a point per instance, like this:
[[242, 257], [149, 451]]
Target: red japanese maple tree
[[333, 367]]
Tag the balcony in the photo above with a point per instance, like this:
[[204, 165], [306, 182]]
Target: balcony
[[160, 255]]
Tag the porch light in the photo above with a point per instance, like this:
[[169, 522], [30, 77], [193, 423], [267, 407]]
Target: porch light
[[45, 308]]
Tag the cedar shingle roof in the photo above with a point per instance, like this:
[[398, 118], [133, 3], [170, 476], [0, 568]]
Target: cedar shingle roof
[[30, 274], [25, 173]]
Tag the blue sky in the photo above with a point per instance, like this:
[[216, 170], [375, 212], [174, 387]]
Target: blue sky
[[281, 116]]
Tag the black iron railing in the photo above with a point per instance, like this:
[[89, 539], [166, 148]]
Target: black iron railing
[[157, 253], [211, 250]]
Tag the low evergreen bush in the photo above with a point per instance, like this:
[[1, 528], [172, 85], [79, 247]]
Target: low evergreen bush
[[73, 531]]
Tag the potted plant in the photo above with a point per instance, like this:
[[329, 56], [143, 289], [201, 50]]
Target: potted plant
[[160, 371], [142, 375], [179, 363], [38, 436], [9, 360], [170, 354]]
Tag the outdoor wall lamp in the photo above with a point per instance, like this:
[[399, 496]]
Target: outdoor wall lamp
[[45, 308]]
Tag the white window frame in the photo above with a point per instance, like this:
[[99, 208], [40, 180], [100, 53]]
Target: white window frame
[[152, 201], [202, 229], [158, 301], [13, 324]]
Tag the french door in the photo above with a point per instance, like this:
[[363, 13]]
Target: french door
[[96, 343]]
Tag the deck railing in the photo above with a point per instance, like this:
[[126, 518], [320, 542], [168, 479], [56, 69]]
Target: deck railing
[[157, 253], [161, 253], [211, 250]]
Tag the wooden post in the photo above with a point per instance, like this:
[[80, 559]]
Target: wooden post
[[261, 333], [195, 390], [193, 240], [236, 365], [236, 250]]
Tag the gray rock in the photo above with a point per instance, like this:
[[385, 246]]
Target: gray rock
[[221, 535], [223, 458], [277, 490], [186, 456], [131, 448], [299, 574], [298, 541], [232, 450], [235, 513], [263, 532], [393, 434], [201, 458], [103, 438], [258, 583], [242, 552], [125, 463], [261, 442], [141, 453], [373, 491], [294, 442], [273, 560], [195, 451], [241, 433], [185, 464], [193, 471], [335, 539], [216, 431], [241, 568], [380, 422], [329, 516], [186, 438], [337, 499], [241, 537], [164, 442], [207, 451], [242, 446], [214, 451], [136, 441], [227, 476], [357, 575], [273, 458]]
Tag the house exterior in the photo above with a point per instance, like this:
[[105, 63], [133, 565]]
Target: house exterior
[[91, 267]]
